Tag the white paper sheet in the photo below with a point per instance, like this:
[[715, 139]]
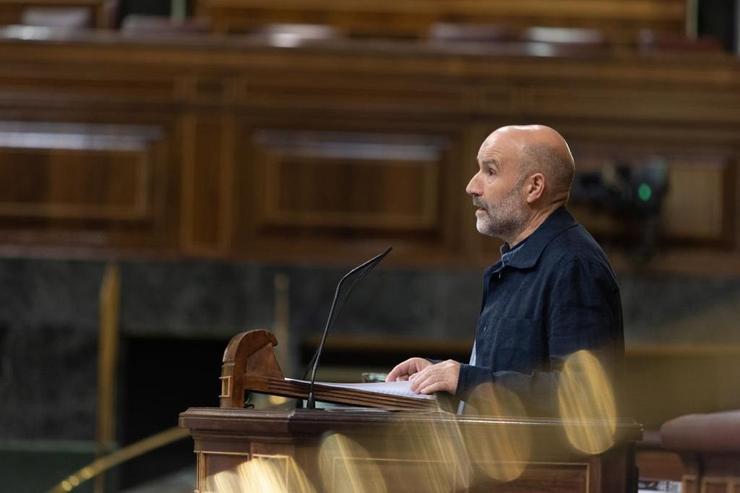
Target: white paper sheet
[[400, 388]]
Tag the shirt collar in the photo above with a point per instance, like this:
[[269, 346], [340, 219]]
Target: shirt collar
[[526, 253], [507, 253]]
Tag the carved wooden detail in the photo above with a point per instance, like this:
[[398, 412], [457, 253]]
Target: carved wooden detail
[[249, 365]]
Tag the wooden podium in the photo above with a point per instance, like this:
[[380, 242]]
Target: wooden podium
[[372, 449]]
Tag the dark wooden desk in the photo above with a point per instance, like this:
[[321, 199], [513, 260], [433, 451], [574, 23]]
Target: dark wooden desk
[[405, 451]]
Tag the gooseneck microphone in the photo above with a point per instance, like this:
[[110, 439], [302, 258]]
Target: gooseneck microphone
[[361, 270]]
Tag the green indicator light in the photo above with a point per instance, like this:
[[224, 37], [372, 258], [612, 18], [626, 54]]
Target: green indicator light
[[644, 192]]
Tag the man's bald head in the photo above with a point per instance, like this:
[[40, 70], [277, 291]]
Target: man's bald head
[[541, 149]]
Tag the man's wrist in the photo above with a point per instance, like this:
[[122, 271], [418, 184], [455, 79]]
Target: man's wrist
[[469, 378]]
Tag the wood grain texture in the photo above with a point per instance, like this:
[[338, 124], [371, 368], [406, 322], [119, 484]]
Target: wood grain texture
[[414, 17], [76, 172], [387, 445], [11, 11], [350, 180], [232, 148]]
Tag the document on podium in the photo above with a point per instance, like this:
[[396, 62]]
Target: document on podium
[[398, 388]]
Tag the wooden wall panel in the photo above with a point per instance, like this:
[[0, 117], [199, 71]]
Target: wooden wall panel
[[355, 181], [88, 184], [573, 477], [273, 89], [75, 171], [697, 204], [135, 86], [11, 11], [208, 173], [67, 184], [621, 18], [623, 101], [323, 188], [698, 208], [246, 150]]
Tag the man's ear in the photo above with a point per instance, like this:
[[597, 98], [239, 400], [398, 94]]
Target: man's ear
[[535, 187]]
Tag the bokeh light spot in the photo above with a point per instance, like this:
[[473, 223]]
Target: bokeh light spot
[[501, 450], [586, 403], [347, 467]]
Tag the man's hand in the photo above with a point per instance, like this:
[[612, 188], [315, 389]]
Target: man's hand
[[403, 371], [436, 378]]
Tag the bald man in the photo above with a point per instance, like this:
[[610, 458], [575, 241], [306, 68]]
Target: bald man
[[551, 294]]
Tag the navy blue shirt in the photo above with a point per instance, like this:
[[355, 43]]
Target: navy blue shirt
[[550, 296]]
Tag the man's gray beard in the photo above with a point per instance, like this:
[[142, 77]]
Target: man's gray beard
[[504, 220]]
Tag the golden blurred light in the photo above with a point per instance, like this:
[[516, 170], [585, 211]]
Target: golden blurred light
[[586, 403], [276, 400], [261, 475], [438, 461], [346, 467], [501, 450], [297, 480], [223, 482], [279, 474]]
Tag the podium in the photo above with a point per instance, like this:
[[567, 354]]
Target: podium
[[366, 449]]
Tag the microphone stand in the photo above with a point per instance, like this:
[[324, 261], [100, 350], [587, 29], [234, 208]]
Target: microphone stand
[[364, 269]]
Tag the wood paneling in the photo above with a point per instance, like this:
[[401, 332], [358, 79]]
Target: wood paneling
[[58, 85], [414, 452], [57, 172], [314, 190], [11, 11], [90, 185], [353, 181], [408, 17], [233, 148], [697, 205], [659, 464], [208, 175]]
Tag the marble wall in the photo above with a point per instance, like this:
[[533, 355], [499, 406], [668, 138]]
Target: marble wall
[[49, 319]]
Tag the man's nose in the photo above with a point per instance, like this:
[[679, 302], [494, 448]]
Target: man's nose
[[473, 187]]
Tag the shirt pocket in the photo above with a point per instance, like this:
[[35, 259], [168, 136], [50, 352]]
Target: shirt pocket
[[520, 345]]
